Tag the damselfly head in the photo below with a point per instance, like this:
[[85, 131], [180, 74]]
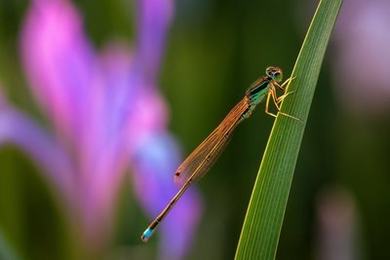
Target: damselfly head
[[275, 73]]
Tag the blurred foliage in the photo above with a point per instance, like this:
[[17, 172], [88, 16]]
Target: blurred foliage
[[215, 50]]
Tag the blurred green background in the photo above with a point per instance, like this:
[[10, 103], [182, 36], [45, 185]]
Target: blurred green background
[[215, 50]]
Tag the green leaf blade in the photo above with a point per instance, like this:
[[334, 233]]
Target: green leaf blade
[[264, 218]]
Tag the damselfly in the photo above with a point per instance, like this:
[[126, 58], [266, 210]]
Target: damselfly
[[203, 157]]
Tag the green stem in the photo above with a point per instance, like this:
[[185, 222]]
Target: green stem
[[264, 218]]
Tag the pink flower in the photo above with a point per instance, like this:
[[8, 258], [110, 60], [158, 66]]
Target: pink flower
[[362, 60], [106, 115]]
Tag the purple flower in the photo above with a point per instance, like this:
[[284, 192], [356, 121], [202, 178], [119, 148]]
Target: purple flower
[[362, 62], [106, 115], [338, 234]]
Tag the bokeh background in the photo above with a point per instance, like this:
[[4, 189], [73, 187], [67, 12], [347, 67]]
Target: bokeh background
[[339, 206]]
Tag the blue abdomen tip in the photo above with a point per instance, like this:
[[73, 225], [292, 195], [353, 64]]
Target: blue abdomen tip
[[147, 234]]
